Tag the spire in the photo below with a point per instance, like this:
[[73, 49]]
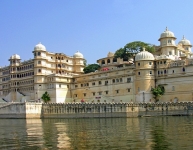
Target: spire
[[143, 48], [166, 28], [183, 38]]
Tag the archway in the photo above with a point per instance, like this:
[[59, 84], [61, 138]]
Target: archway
[[175, 100]]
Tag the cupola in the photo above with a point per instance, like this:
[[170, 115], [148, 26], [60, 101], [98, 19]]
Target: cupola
[[78, 55], [39, 47], [144, 55]]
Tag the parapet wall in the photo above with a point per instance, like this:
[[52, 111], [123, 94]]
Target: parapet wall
[[93, 110]]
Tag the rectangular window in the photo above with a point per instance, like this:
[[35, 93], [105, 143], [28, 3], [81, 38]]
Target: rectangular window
[[106, 82], [113, 80], [173, 88], [100, 93], [93, 93], [99, 82], [121, 79], [93, 83], [117, 91], [117, 80], [39, 62], [76, 86], [138, 73], [150, 63], [128, 80], [84, 94], [75, 95], [129, 90], [81, 85], [107, 92], [59, 85], [138, 64]]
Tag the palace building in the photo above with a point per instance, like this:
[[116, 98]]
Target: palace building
[[118, 80]]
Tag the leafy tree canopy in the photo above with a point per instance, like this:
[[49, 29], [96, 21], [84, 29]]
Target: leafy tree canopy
[[91, 68], [158, 92], [46, 97], [132, 48]]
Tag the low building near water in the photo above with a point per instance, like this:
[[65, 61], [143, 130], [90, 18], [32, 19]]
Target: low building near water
[[118, 80]]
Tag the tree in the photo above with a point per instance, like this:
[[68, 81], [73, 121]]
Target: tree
[[134, 47], [91, 68], [158, 92], [46, 97]]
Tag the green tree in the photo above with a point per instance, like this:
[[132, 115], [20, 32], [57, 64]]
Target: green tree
[[158, 92], [91, 68], [134, 47], [46, 97]]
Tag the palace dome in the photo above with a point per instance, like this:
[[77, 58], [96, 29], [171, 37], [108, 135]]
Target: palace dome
[[78, 55], [144, 55], [167, 33], [39, 47], [15, 56], [110, 54], [184, 41]]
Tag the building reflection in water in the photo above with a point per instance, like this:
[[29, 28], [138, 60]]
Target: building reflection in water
[[104, 133]]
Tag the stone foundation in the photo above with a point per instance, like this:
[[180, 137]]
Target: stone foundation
[[93, 110]]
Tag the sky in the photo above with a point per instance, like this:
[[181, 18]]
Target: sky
[[92, 27]]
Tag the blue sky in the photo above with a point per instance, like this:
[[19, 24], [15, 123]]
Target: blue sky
[[93, 27]]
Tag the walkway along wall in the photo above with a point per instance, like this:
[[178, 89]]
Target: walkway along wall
[[93, 110]]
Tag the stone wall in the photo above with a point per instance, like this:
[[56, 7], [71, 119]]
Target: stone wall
[[93, 110], [20, 110]]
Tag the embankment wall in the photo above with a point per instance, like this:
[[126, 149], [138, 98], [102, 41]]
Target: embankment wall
[[93, 110]]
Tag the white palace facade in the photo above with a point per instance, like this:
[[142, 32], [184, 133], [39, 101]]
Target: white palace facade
[[117, 80]]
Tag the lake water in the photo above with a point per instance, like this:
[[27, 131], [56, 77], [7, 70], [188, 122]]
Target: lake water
[[159, 133]]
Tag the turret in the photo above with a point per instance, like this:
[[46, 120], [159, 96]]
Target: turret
[[144, 74], [186, 45], [78, 62], [167, 42]]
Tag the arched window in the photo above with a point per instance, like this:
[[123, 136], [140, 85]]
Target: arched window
[[39, 53], [39, 70], [183, 69], [164, 71], [114, 59], [108, 61], [103, 61]]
